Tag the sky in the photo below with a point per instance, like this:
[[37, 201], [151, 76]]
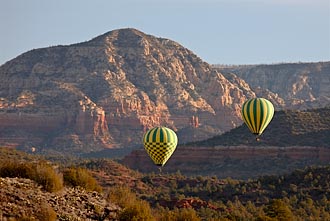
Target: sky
[[218, 31]]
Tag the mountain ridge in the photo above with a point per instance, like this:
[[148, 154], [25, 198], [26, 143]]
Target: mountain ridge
[[93, 94]]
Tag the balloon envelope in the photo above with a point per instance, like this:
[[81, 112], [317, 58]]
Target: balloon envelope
[[257, 114], [160, 143]]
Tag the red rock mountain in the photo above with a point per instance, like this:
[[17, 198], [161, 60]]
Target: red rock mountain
[[108, 91]]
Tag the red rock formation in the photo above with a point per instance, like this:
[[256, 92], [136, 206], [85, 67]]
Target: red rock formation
[[194, 121], [192, 160], [194, 204]]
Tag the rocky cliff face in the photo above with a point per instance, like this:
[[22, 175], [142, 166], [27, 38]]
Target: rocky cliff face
[[108, 91], [298, 85]]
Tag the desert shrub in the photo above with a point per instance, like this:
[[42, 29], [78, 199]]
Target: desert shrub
[[265, 218], [46, 176], [133, 207], [41, 172], [46, 213], [187, 214], [11, 168], [122, 196], [139, 211], [80, 177], [184, 214]]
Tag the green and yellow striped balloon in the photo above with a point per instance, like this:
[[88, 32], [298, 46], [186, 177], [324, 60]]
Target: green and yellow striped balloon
[[257, 114], [160, 143]]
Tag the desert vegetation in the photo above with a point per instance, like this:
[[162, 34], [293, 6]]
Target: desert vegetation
[[80, 177], [41, 172], [301, 195]]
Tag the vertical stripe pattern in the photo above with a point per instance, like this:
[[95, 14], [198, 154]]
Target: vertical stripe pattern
[[160, 143], [257, 114]]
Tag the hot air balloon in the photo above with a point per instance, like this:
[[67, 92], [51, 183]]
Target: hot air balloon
[[160, 143], [257, 114]]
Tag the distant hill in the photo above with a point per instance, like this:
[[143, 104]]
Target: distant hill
[[288, 128], [297, 85]]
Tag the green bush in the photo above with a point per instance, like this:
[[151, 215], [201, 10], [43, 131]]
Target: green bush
[[81, 177], [279, 210]]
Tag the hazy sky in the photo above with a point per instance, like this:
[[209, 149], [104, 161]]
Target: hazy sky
[[218, 31]]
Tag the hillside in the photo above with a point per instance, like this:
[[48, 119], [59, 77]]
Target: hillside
[[293, 140], [296, 196], [300, 195], [23, 198], [288, 128], [31, 188]]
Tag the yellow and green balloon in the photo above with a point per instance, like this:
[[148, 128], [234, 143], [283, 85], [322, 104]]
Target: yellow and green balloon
[[257, 114], [160, 143]]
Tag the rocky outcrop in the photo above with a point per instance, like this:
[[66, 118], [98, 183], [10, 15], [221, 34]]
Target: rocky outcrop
[[298, 85], [195, 204], [191, 203], [24, 198]]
